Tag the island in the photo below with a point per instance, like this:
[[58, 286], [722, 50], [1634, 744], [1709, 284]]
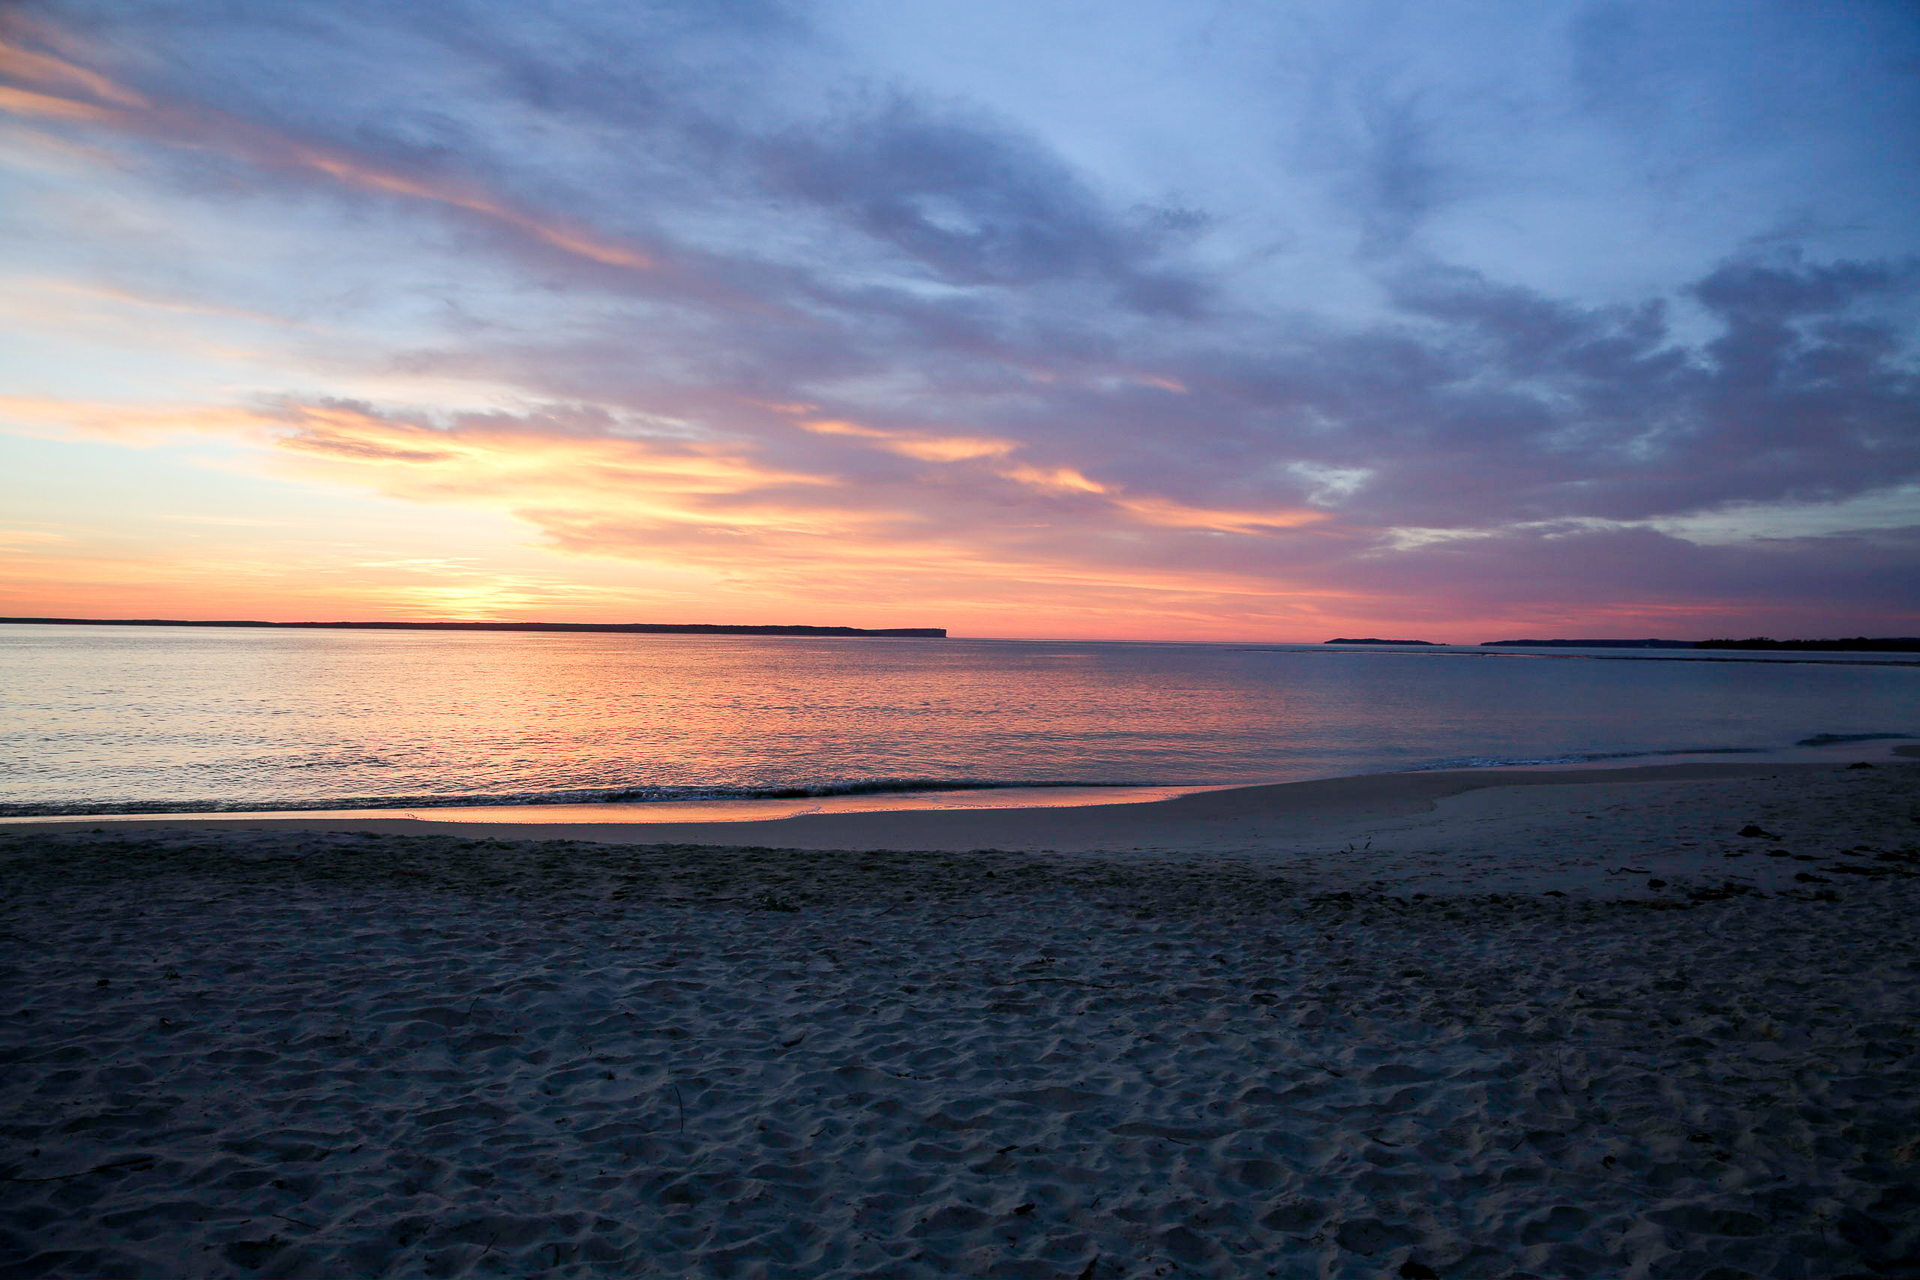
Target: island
[[645, 628], [1587, 644], [1371, 640], [1857, 644]]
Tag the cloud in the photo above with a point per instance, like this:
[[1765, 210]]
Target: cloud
[[1401, 179], [1511, 406], [728, 297], [1633, 573], [188, 125], [924, 447], [47, 69], [968, 203], [564, 456], [27, 102], [130, 423]]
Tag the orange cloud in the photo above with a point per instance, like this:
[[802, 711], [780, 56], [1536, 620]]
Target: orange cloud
[[501, 461], [199, 127], [1147, 509], [949, 448], [834, 427], [44, 68], [27, 102], [619, 494], [123, 421], [721, 511], [1062, 479], [927, 448], [1165, 512], [370, 177]]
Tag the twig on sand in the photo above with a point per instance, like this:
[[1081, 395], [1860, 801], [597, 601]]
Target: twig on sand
[[683, 1106], [1629, 871], [295, 1221]]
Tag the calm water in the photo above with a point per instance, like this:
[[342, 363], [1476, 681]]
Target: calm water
[[119, 719]]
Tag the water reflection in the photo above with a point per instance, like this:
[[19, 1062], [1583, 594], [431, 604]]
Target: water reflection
[[269, 719]]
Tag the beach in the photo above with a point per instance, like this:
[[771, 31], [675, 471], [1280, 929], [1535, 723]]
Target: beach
[[1640, 1022]]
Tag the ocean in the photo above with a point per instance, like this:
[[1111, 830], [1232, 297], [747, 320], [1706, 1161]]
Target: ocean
[[117, 720]]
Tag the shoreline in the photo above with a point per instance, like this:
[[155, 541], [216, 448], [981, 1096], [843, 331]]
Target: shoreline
[[472, 1051], [1522, 829], [973, 797]]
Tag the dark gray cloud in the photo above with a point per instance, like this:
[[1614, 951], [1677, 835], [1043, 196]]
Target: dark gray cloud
[[1835, 582]]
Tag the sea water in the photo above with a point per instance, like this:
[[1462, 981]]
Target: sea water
[[174, 719]]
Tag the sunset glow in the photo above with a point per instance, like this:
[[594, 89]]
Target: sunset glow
[[1352, 325]]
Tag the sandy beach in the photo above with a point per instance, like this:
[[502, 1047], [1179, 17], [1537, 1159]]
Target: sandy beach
[[1636, 1022]]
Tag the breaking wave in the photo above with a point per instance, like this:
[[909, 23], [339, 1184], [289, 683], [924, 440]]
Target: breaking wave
[[591, 795], [1576, 757]]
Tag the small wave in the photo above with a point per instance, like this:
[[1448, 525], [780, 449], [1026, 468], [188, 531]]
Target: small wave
[[1832, 739], [596, 795], [1576, 757]]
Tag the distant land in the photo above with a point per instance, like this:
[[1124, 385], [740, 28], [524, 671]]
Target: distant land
[[646, 628], [1370, 640], [1589, 644], [1858, 644]]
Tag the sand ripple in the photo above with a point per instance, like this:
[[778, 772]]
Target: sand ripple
[[324, 1054]]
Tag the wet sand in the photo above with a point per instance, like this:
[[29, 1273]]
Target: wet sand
[[1474, 1024]]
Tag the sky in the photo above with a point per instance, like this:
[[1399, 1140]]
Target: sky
[[1204, 321]]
